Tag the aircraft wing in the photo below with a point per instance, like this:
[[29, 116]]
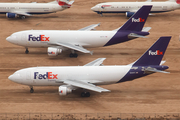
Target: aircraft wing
[[133, 35], [91, 27], [155, 70], [96, 62], [85, 85], [73, 47], [21, 13]]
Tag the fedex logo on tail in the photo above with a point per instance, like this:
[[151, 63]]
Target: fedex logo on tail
[[157, 52], [138, 20], [39, 38], [48, 75]]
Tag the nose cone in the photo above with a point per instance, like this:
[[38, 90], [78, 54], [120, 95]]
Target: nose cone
[[12, 39], [94, 8], [15, 78], [9, 39]]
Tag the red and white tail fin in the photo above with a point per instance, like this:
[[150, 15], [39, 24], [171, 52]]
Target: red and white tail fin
[[177, 1], [65, 3]]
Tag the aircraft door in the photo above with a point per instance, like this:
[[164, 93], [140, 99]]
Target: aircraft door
[[164, 7], [24, 39], [29, 78]]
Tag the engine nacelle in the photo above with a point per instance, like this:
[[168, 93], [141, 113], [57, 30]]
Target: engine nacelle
[[11, 15], [129, 14], [53, 51], [63, 90]]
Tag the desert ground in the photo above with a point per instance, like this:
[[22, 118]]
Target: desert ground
[[156, 93]]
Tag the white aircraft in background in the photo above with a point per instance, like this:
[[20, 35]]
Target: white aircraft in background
[[70, 78], [13, 10], [131, 7], [58, 41]]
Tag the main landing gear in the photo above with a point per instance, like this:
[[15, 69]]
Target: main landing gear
[[31, 89], [85, 94], [22, 16], [73, 54], [27, 51]]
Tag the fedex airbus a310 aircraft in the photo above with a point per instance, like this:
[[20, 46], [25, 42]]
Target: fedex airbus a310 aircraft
[[131, 7], [13, 10], [70, 78], [58, 41]]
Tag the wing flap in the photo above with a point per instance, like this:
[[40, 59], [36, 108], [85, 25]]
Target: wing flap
[[96, 62], [73, 47], [21, 13], [85, 85]]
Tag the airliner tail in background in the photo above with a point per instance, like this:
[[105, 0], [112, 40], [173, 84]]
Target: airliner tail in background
[[131, 7], [21, 10]]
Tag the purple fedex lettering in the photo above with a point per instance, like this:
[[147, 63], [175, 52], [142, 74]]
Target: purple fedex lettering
[[40, 38], [33, 38], [48, 75]]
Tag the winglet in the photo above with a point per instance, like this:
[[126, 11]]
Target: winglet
[[137, 21], [155, 53]]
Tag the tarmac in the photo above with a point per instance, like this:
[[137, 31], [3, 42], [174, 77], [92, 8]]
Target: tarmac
[[156, 93]]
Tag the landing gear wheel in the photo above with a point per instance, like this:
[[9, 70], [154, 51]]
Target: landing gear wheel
[[22, 17], [88, 94], [73, 55], [27, 51], [85, 94], [32, 90]]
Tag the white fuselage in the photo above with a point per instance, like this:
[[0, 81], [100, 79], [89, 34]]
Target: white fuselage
[[122, 7], [82, 38], [99, 75], [30, 8]]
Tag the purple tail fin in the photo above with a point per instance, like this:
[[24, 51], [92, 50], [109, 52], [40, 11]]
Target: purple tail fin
[[154, 54], [137, 21]]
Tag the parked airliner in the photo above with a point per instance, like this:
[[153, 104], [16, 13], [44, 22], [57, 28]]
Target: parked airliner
[[131, 7], [70, 78], [13, 10], [57, 40]]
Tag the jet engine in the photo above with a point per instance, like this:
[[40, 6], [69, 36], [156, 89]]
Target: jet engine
[[54, 51], [63, 90], [11, 15], [129, 14]]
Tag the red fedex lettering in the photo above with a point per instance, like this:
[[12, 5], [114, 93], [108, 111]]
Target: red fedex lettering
[[52, 76], [44, 38], [55, 76], [159, 52], [142, 20], [49, 75]]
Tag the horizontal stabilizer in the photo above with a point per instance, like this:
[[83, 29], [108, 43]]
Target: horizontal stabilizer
[[155, 70], [146, 29], [91, 27], [133, 35], [96, 62], [87, 86], [162, 62]]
